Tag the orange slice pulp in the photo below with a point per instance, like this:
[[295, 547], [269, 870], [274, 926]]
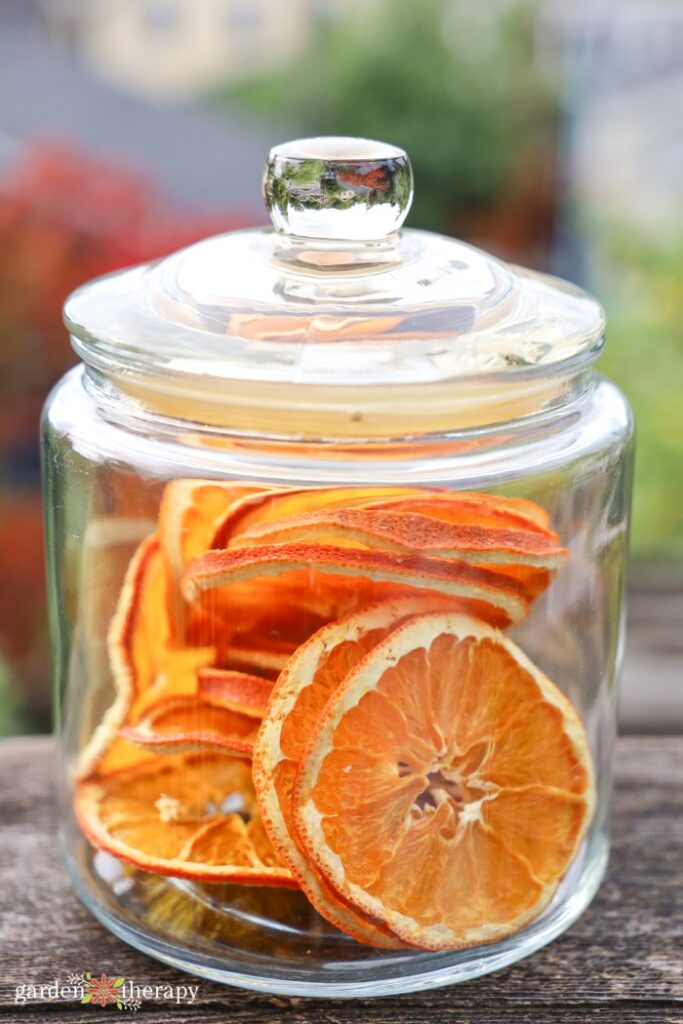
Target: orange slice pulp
[[446, 786]]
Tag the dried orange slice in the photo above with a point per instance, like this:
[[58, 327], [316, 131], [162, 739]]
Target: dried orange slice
[[495, 595], [483, 511], [146, 665], [189, 723], [185, 815], [236, 691], [309, 679], [477, 509], [121, 656], [446, 786], [269, 506], [409, 531], [187, 517], [266, 660], [108, 546], [188, 513], [527, 555]]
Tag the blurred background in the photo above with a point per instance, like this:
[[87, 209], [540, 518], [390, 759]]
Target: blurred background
[[549, 132]]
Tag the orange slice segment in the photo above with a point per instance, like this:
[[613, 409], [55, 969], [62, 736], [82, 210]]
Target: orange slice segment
[[311, 676], [492, 593], [186, 816], [447, 785], [269, 506], [188, 723], [236, 691]]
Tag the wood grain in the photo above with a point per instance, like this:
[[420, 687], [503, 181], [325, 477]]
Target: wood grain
[[622, 962], [654, 652]]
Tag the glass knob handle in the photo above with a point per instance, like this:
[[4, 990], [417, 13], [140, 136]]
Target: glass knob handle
[[338, 188]]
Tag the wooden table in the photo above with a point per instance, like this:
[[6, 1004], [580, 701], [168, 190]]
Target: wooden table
[[622, 962]]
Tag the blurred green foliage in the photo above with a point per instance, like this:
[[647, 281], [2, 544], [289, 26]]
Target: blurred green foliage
[[639, 278], [452, 83], [12, 718]]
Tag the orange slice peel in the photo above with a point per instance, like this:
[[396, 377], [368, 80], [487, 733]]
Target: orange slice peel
[[146, 664]]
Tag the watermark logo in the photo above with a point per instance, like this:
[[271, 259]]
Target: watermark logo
[[103, 991]]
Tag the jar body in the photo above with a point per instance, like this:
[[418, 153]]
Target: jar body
[[187, 569]]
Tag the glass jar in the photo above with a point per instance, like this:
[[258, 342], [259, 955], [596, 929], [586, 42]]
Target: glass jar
[[337, 521]]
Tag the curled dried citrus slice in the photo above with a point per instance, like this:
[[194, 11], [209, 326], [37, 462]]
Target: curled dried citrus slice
[[187, 516], [493, 594], [145, 662], [477, 509], [446, 786], [190, 723], [311, 676], [108, 546], [409, 531], [185, 815], [528, 555], [270, 506], [236, 691]]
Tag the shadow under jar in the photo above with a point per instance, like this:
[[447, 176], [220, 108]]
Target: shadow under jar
[[337, 527]]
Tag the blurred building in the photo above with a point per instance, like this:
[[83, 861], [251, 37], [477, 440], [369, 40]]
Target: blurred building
[[181, 48], [621, 63], [194, 158]]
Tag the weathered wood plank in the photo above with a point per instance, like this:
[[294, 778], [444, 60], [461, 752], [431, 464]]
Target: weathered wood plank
[[652, 680], [622, 962]]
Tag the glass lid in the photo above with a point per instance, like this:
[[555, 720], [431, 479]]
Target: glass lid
[[335, 295]]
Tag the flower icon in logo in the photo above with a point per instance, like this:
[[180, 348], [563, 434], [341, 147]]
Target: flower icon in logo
[[103, 990]]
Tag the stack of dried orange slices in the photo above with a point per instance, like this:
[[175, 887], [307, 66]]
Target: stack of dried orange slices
[[313, 690]]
